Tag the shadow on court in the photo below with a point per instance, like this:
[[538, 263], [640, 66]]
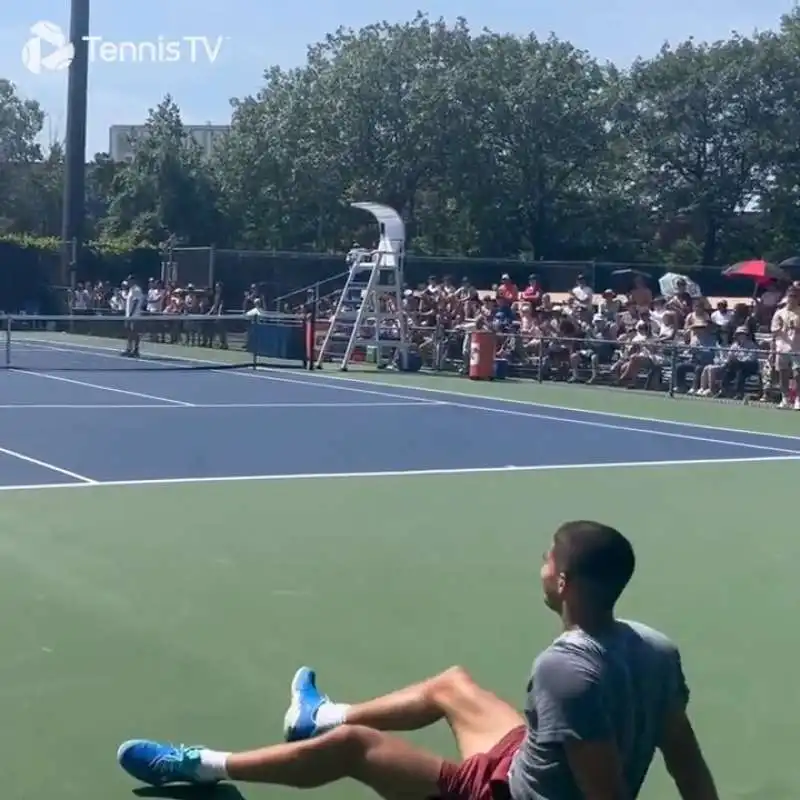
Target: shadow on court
[[222, 791]]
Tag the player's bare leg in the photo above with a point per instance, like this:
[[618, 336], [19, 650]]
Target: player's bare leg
[[478, 718], [391, 767]]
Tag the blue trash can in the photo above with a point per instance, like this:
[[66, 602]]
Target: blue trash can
[[500, 369]]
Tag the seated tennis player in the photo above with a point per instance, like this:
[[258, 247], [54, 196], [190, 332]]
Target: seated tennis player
[[601, 699]]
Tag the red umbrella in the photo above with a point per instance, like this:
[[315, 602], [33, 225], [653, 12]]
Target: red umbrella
[[759, 270]]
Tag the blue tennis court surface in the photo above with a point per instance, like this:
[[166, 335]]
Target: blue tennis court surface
[[94, 426]]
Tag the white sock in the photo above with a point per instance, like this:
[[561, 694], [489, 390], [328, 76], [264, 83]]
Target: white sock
[[213, 766], [331, 715]]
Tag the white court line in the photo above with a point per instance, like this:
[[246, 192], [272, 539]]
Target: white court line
[[336, 381], [48, 376], [164, 406], [410, 473], [84, 481]]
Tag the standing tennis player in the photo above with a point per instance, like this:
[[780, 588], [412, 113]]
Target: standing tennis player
[[601, 699], [134, 305]]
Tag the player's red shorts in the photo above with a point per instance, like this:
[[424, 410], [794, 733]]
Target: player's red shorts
[[483, 776]]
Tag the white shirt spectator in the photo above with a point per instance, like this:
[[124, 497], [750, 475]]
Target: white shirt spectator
[[134, 301], [116, 302], [722, 317], [81, 299], [785, 329], [155, 301], [583, 293]]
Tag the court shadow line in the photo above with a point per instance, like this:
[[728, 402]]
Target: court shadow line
[[220, 791]]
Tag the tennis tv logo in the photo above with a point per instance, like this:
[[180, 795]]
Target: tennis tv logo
[[48, 49]]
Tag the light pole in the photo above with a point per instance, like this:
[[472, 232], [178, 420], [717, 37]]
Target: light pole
[[74, 209]]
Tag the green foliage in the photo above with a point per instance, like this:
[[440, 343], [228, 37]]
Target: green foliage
[[109, 247], [490, 145]]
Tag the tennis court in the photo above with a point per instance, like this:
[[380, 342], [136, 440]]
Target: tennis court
[[176, 542]]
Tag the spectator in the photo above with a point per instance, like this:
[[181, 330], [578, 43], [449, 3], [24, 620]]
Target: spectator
[[681, 302], [250, 296], [530, 333], [464, 290], [741, 361], [507, 290], [81, 299], [667, 330], [156, 296], [582, 292], [722, 316], [636, 357], [699, 313], [532, 293], [702, 344], [598, 349], [117, 301], [609, 307], [641, 295], [785, 329]]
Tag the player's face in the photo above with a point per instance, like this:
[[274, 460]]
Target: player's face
[[552, 582]]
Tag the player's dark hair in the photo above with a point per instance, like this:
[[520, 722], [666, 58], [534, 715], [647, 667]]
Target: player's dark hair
[[597, 556]]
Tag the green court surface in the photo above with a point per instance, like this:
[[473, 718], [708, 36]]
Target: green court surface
[[181, 611]]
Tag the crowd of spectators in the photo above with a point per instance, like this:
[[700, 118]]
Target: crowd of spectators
[[681, 341], [746, 348]]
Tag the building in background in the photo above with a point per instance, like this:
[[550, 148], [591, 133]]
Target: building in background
[[120, 137]]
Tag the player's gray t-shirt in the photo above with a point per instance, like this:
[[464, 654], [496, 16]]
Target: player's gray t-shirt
[[616, 686]]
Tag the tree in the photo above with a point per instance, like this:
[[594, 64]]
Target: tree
[[21, 123], [779, 202], [697, 116], [166, 188]]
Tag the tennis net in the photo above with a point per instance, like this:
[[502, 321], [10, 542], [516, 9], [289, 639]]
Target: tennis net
[[165, 341]]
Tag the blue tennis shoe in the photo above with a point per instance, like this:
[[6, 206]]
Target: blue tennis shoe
[[158, 763], [300, 721]]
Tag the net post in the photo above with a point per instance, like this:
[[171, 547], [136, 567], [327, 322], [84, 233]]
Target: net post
[[311, 331], [8, 340], [253, 340], [673, 361], [540, 365]]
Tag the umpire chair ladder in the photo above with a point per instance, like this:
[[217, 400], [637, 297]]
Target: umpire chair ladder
[[369, 312]]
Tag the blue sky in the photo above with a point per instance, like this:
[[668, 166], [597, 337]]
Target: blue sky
[[255, 34]]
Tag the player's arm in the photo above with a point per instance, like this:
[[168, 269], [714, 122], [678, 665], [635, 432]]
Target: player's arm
[[684, 759], [678, 744], [570, 714]]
